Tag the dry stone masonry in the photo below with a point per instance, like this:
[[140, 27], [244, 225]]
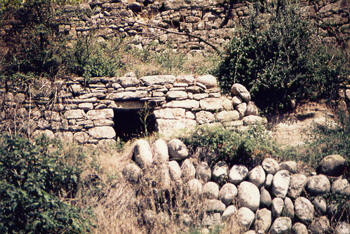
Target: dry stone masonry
[[87, 112], [150, 22], [270, 198]]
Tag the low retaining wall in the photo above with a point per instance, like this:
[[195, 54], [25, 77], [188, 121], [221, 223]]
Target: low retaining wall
[[86, 111]]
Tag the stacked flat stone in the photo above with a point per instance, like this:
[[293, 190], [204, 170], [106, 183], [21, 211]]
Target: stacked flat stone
[[85, 112], [270, 198], [110, 19]]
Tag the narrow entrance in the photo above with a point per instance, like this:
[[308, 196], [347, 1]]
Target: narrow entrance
[[133, 123]]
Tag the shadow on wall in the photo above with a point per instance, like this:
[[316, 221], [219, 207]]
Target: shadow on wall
[[132, 123]]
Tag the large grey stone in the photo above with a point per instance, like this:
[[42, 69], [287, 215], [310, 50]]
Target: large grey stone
[[208, 80], [281, 225], [320, 225], [214, 205], [341, 186], [142, 153], [304, 209], [265, 197], [257, 175], [238, 173], [254, 119], [227, 193], [229, 212], [290, 166], [132, 172], [158, 79], [320, 204], [160, 151], [194, 187], [204, 117], [188, 170], [211, 219], [280, 183], [241, 108], [203, 172], [211, 104], [318, 184], [252, 109], [169, 113], [288, 209], [106, 132], [245, 217], [185, 104], [277, 207], [74, 114], [342, 228], [177, 150], [100, 114], [270, 165], [220, 171], [332, 165], [176, 94], [299, 228], [227, 116], [248, 195], [263, 220], [175, 171], [211, 190], [297, 184], [241, 91]]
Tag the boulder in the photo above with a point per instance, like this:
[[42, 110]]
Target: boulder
[[160, 151], [132, 172], [203, 172], [194, 187], [265, 197], [241, 91], [175, 170], [332, 165], [211, 190], [281, 225], [290, 166], [341, 186], [227, 193], [297, 184], [320, 204], [208, 80], [220, 171], [214, 205], [248, 195], [245, 217], [299, 228], [342, 228], [280, 183], [268, 181], [257, 175], [320, 225], [288, 210], [142, 153], [238, 173], [188, 170], [263, 220], [270, 165], [318, 184], [105, 132], [277, 207], [304, 210], [177, 150], [252, 109], [229, 211]]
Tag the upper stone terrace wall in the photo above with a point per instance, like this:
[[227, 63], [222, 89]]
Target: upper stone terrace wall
[[150, 22], [85, 112]]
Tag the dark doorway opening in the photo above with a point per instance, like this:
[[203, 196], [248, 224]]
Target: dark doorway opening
[[132, 123]]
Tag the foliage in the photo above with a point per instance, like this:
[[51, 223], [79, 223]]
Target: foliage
[[330, 139], [34, 45], [32, 178], [89, 58], [220, 144], [280, 59]]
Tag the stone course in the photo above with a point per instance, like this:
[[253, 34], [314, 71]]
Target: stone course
[[85, 112], [285, 206]]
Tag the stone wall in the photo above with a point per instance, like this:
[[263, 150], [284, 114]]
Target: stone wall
[[85, 112], [154, 22], [271, 198]]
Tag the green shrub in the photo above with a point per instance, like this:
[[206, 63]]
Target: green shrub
[[32, 178], [220, 144], [33, 43], [89, 58], [280, 59]]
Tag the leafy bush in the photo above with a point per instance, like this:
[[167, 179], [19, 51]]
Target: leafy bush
[[280, 59], [32, 178], [220, 144], [89, 58]]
